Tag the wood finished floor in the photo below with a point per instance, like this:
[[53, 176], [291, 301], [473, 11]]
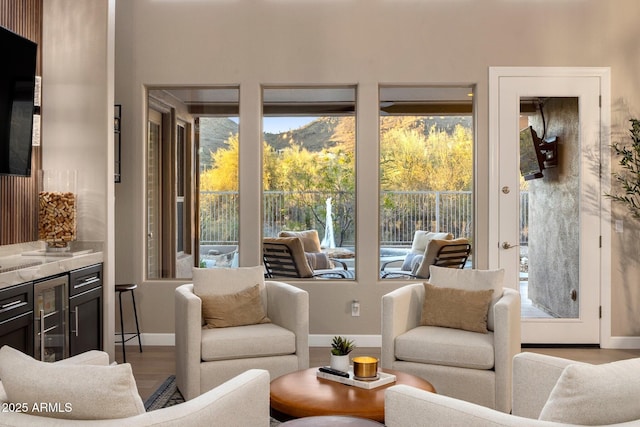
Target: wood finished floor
[[156, 363]]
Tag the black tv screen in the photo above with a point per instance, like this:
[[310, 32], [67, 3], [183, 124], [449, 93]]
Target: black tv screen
[[17, 83], [531, 161]]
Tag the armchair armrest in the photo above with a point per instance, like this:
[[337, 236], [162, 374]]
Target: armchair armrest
[[506, 344], [288, 306], [188, 336], [534, 376], [406, 406], [401, 310], [241, 401]]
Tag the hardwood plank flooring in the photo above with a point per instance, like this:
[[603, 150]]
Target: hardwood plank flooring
[[156, 363]]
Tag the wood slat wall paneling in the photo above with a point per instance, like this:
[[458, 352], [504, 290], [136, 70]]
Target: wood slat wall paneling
[[19, 195]]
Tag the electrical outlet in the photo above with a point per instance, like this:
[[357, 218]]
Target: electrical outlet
[[355, 308], [619, 226]]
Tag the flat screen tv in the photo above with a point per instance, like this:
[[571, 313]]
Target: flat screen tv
[[17, 83], [531, 159]]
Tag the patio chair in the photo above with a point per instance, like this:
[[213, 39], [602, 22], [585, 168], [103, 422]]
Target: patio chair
[[441, 253], [419, 245], [285, 257]]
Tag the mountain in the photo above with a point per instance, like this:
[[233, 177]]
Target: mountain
[[321, 133]]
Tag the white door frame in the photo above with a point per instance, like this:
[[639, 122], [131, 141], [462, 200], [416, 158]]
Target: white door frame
[[495, 73]]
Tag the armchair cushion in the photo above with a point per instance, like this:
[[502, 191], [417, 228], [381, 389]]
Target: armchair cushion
[[80, 392], [237, 309], [456, 308], [595, 394], [422, 238], [267, 339], [309, 238], [318, 260], [471, 279], [447, 347]]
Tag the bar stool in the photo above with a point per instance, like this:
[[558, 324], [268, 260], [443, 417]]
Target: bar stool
[[120, 289]]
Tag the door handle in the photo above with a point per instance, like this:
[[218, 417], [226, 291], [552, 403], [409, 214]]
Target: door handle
[[507, 245]]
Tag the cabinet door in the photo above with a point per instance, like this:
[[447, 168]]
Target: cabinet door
[[85, 320], [18, 333]]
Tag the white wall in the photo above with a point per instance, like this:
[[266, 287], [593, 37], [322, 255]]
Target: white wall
[[363, 42], [77, 117]]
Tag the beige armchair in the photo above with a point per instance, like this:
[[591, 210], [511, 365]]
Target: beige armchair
[[206, 357], [547, 391], [471, 366]]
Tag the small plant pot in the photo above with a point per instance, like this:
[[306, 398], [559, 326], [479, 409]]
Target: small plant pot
[[340, 363]]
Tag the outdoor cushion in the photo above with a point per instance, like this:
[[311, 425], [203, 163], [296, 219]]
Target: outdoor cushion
[[309, 238], [446, 346], [266, 339], [473, 280], [422, 238]]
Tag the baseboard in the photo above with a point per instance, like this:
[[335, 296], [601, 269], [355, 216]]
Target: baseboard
[[314, 340], [621, 343], [154, 339]]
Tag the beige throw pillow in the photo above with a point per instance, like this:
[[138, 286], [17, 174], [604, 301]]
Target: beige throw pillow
[[239, 309], [596, 394], [66, 391], [471, 279], [456, 308]]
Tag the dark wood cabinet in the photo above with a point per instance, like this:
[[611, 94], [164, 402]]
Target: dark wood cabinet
[[85, 309], [81, 305], [16, 317]]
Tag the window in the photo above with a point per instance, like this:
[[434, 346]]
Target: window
[[309, 168], [192, 180], [426, 170]]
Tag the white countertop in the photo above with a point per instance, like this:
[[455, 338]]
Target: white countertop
[[28, 262]]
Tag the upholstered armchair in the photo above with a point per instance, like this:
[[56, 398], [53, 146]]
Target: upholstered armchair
[[547, 391], [461, 337], [222, 330]]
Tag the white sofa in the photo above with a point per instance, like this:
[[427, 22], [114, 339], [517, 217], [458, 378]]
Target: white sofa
[[534, 379], [241, 401]]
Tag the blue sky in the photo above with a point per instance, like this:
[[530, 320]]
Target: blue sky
[[282, 124]]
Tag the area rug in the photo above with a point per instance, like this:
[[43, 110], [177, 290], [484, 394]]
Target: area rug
[[168, 395]]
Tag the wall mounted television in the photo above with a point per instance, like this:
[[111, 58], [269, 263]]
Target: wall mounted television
[[17, 83], [531, 159]]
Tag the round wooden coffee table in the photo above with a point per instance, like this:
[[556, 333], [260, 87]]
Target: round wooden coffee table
[[303, 394]]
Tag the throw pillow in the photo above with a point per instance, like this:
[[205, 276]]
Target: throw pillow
[[78, 392], [224, 281], [595, 394], [456, 308], [472, 280], [309, 238], [422, 238], [241, 308], [318, 260]]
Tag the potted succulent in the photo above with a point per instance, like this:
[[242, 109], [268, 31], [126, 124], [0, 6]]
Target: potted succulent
[[340, 349]]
